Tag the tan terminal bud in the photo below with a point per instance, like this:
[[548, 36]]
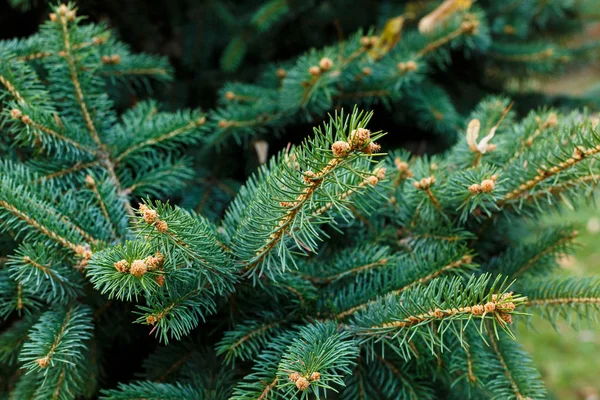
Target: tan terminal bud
[[26, 120], [281, 73], [359, 138], [150, 216], [62, 10], [43, 362], [122, 266], [308, 177], [106, 59], [475, 188], [365, 41], [160, 280], [151, 320], [315, 376], [487, 185], [489, 307], [302, 383], [115, 59], [16, 114], [314, 70], [506, 318], [89, 181], [325, 64], [372, 148], [411, 66], [379, 172], [229, 95], [477, 309], [340, 148], [372, 180], [162, 226], [294, 376], [138, 268], [53, 17], [367, 71]]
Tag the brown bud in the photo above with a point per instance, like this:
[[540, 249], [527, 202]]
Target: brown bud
[[372, 180], [52, 17], [150, 216], [411, 65], [229, 95], [43, 362], [26, 120], [487, 185], [302, 383], [475, 188], [359, 138], [489, 307], [294, 376], [365, 41], [371, 148], [223, 123], [367, 71], [314, 70], [340, 148], [308, 177], [151, 320], [16, 114], [281, 73], [115, 59], [160, 280], [162, 226], [62, 10], [506, 318], [138, 268], [379, 173], [579, 152], [315, 376], [71, 15], [106, 59], [122, 266], [89, 181], [325, 64], [477, 309]]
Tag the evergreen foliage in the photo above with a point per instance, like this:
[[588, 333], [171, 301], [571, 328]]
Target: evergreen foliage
[[339, 269]]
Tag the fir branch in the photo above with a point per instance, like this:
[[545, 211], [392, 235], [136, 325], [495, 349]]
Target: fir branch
[[57, 339], [455, 265], [545, 174], [69, 56]]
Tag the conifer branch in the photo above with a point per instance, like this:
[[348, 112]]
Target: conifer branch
[[11, 89], [39, 227], [68, 50], [165, 137], [579, 155], [557, 245], [28, 121], [466, 259], [91, 183], [78, 166], [507, 372]]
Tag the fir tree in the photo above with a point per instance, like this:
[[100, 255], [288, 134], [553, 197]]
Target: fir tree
[[339, 269]]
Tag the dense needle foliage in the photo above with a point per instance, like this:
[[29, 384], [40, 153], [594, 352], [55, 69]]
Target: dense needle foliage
[[340, 268]]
